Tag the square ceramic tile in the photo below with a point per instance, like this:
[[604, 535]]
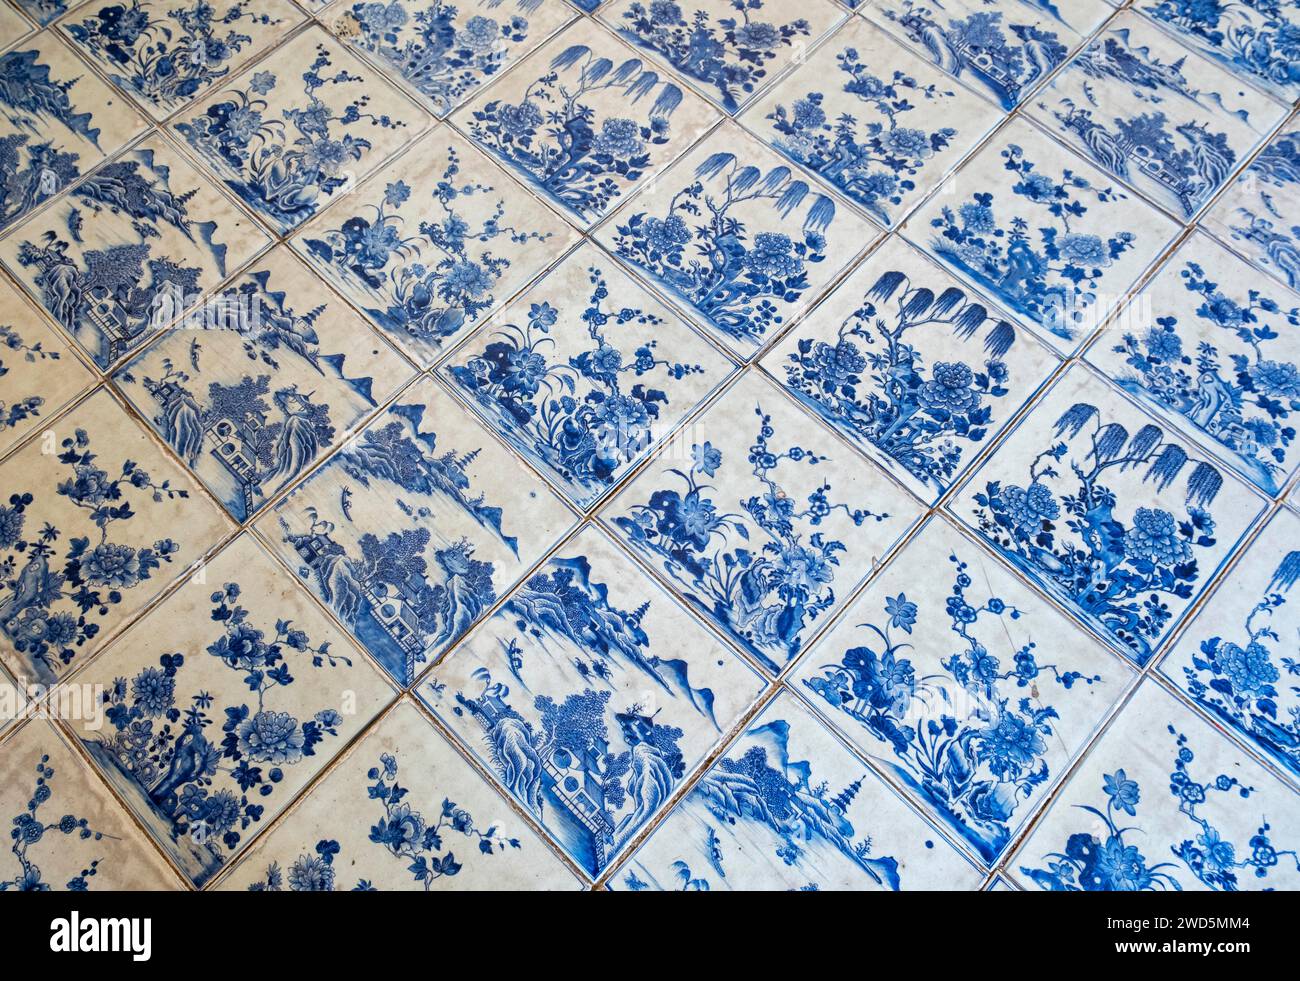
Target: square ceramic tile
[[433, 243], [1170, 124], [166, 53], [584, 121], [879, 124], [414, 529], [401, 811], [761, 519], [130, 248], [786, 806], [911, 367], [1236, 658], [1213, 348], [59, 121], [728, 49], [222, 702], [299, 128], [585, 373], [1164, 802], [1044, 233], [39, 373], [738, 239], [964, 686], [98, 521], [67, 831], [1259, 213], [1116, 518], [443, 52], [279, 372], [1254, 38], [1004, 51], [592, 696]]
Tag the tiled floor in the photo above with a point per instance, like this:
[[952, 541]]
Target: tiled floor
[[696, 444]]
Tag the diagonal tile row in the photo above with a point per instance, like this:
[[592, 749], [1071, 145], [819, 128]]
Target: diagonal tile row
[[642, 544]]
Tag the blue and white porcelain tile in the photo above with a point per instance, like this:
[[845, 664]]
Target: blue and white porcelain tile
[[1259, 213], [592, 696], [1257, 39], [1170, 124], [787, 806], [1054, 240], [98, 521], [1163, 801], [650, 444], [772, 242], [130, 248], [47, 140], [911, 366], [441, 52], [39, 373], [1235, 658], [429, 246], [730, 50], [1002, 50], [44, 12], [1116, 518], [222, 702], [402, 810], [585, 121], [13, 26], [585, 373], [1215, 349], [67, 831], [166, 53], [964, 686], [414, 529], [879, 124], [299, 128], [761, 519], [282, 372]]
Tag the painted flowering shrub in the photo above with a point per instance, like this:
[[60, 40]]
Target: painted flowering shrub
[[762, 573], [1259, 39], [27, 406], [1064, 526], [873, 383], [1116, 863], [700, 249], [43, 572], [561, 139], [421, 842], [1241, 391], [1026, 250], [287, 165], [872, 159], [974, 767], [31, 831], [438, 53], [1236, 676], [731, 54], [173, 754], [163, 54], [423, 283], [586, 417], [1006, 51]]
